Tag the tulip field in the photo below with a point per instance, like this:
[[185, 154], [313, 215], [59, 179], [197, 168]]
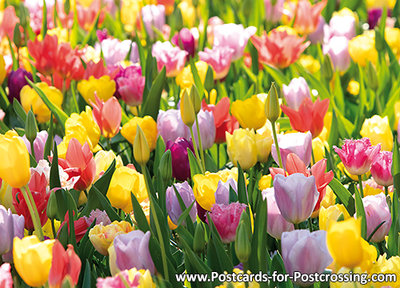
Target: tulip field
[[199, 143]]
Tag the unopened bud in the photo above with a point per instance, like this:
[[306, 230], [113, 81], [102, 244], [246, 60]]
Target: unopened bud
[[272, 109], [166, 166], [242, 242], [195, 97], [30, 127], [141, 150], [199, 241], [51, 210], [372, 77], [187, 110]]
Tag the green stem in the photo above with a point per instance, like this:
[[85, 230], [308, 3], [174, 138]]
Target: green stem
[[386, 190], [218, 155], [195, 149], [310, 224], [278, 152], [33, 150], [53, 228], [361, 187], [378, 103], [200, 144], [109, 144], [32, 210], [312, 156], [296, 226]]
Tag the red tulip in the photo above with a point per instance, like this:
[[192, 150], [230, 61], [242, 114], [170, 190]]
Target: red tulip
[[97, 70], [108, 116], [309, 116], [64, 264], [79, 163], [80, 226], [37, 185], [295, 165], [224, 122]]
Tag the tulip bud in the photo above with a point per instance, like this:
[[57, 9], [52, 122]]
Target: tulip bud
[[141, 150], [372, 77], [199, 241], [209, 82], [327, 67], [30, 127], [195, 97], [165, 166], [242, 242], [187, 110], [51, 210], [272, 109]]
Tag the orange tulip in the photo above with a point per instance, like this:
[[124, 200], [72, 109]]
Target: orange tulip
[[108, 116]]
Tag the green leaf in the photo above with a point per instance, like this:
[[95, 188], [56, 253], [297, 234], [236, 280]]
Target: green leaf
[[105, 204], [344, 195], [140, 218], [334, 133], [44, 20], [242, 191], [14, 59], [159, 152], [278, 266], [278, 76], [196, 78], [194, 165], [54, 171], [152, 104], [339, 97], [210, 164], [361, 214], [21, 114], [393, 240], [185, 234], [4, 103], [86, 283]]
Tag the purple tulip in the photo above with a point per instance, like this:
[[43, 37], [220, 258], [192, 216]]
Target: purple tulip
[[38, 144], [132, 251], [130, 85], [296, 92], [305, 252], [337, 48], [16, 80], [296, 196], [276, 224], [99, 215], [173, 208], [374, 15], [180, 160], [273, 13], [19, 228], [297, 143], [185, 40], [153, 17], [207, 129], [170, 125], [377, 211], [6, 229], [223, 191]]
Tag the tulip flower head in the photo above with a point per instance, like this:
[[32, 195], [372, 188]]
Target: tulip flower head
[[179, 157], [378, 130], [173, 58], [153, 17], [130, 85], [250, 112], [220, 58], [296, 92], [170, 125], [337, 48], [173, 208], [6, 279], [273, 10], [381, 168], [242, 148], [108, 116], [7, 230], [306, 16], [206, 127], [16, 81], [185, 40], [141, 151], [377, 211], [149, 127]]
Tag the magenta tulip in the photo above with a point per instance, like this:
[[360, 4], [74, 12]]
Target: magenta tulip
[[381, 168]]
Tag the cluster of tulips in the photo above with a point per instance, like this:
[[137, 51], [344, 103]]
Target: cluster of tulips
[[141, 140]]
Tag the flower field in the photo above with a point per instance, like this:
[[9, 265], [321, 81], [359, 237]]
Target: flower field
[[199, 143]]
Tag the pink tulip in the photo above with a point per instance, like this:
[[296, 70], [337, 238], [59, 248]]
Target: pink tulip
[[377, 211], [233, 36], [343, 26], [173, 58], [38, 144], [185, 40], [357, 155], [6, 280], [170, 125], [273, 12], [306, 15], [220, 60], [2, 114], [226, 219], [130, 85], [337, 48], [276, 224], [108, 116], [381, 168], [295, 92], [114, 50], [153, 17], [296, 196], [297, 143], [213, 22]]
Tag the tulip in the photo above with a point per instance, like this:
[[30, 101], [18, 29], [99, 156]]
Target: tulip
[[6, 280], [32, 259], [3, 71], [381, 168], [132, 251], [380, 4], [141, 151], [131, 278], [234, 36], [130, 85], [298, 143], [108, 116], [357, 155], [337, 48], [250, 112], [80, 227], [226, 219], [273, 10], [378, 130], [103, 87], [377, 211], [296, 196], [219, 58], [185, 40], [147, 124], [222, 194], [79, 163], [242, 148], [343, 25], [296, 92], [16, 81], [309, 116], [185, 77], [64, 264], [347, 247], [153, 17], [99, 216], [103, 160], [263, 142], [7, 230], [374, 16], [276, 224], [180, 160], [14, 168], [124, 182], [18, 231], [279, 49], [362, 49], [173, 207], [31, 100], [322, 33], [170, 125], [38, 144], [207, 129], [330, 215], [222, 120], [391, 265], [102, 236], [173, 58], [115, 51], [306, 16]]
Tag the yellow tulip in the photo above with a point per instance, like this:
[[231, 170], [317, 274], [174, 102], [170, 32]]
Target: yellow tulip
[[263, 139], [387, 266], [188, 13], [362, 48], [347, 247], [188, 113], [15, 162], [83, 128], [380, 4], [330, 215], [141, 151], [102, 236], [130, 10], [250, 112], [112, 262], [104, 159], [377, 129], [30, 99], [185, 77], [149, 127], [32, 259], [265, 182], [396, 115], [354, 87], [392, 37], [309, 63], [242, 148], [47, 230], [345, 270], [318, 146], [104, 88], [124, 181], [3, 71], [6, 196]]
